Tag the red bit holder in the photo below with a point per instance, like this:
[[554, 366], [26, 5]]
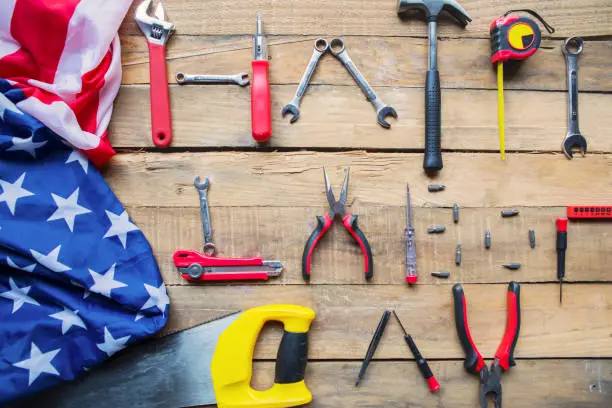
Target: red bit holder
[[589, 212]]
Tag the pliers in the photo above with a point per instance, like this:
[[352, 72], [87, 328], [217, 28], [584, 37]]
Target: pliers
[[490, 378], [325, 222]]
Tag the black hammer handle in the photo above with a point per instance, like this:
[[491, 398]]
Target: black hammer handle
[[433, 156]]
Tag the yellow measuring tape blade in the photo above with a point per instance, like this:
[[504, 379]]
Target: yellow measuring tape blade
[[500, 109]]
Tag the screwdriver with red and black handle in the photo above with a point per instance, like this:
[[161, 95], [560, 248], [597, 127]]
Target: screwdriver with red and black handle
[[561, 247], [261, 113], [433, 384]]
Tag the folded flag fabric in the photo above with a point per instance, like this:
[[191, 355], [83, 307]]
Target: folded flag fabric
[[78, 280]]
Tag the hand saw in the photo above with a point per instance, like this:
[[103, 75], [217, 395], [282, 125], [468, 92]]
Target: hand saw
[[208, 364], [206, 266]]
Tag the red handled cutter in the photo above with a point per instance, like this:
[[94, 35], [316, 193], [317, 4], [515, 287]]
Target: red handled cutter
[[490, 378], [325, 222]]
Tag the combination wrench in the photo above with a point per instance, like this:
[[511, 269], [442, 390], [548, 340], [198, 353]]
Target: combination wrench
[[209, 246], [241, 79], [320, 48], [382, 111], [572, 48]]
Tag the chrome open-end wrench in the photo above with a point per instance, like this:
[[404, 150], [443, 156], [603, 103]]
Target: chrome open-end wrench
[[321, 47], [572, 48], [382, 111], [158, 31], [209, 246], [241, 79]]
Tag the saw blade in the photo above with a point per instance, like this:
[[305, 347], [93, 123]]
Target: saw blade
[[173, 371]]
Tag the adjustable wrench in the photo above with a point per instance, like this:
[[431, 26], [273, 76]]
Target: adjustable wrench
[[382, 111], [321, 47], [572, 48], [209, 246], [241, 79], [158, 31]]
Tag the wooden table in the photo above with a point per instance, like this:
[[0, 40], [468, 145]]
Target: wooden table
[[264, 199]]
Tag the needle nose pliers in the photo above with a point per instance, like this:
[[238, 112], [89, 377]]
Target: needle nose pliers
[[490, 378], [325, 222]]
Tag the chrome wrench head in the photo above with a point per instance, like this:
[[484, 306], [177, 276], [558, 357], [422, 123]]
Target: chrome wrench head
[[320, 48], [572, 48], [241, 79], [202, 187], [382, 110], [157, 29]]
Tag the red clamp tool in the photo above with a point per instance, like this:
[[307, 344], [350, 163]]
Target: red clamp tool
[[261, 111], [206, 266], [325, 222], [158, 31], [490, 378]]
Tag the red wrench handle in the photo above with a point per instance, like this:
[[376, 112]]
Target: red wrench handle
[[161, 123], [261, 115]]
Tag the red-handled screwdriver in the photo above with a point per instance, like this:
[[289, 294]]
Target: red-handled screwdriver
[[434, 385], [261, 115], [561, 247]]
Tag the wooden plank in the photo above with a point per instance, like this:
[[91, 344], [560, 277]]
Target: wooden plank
[[348, 314], [339, 117], [532, 383], [290, 179], [384, 61], [378, 17], [280, 234]]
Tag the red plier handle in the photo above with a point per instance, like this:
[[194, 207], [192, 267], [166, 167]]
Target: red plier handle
[[323, 225], [474, 362]]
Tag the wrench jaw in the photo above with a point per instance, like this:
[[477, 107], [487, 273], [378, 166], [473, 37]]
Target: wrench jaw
[[574, 141], [244, 79], [294, 110], [156, 29], [382, 114]]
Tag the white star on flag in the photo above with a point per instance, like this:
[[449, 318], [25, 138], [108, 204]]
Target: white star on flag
[[69, 319], [120, 226], [38, 363], [26, 145], [12, 264], [105, 283], [18, 295], [11, 192], [76, 156], [112, 345], [50, 260], [158, 297], [68, 209]]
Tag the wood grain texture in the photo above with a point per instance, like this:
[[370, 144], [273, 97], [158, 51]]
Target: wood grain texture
[[287, 179], [378, 17], [340, 117], [348, 314], [280, 234], [384, 61], [567, 384]]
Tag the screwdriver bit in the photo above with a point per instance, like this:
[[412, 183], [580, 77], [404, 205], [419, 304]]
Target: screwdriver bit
[[512, 266], [456, 213], [458, 255], [532, 241], [441, 274], [436, 229], [509, 213], [434, 188], [488, 239]]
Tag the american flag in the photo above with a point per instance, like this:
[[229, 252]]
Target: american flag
[[78, 280]]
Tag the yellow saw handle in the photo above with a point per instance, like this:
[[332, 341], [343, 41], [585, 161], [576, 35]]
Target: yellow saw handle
[[232, 363]]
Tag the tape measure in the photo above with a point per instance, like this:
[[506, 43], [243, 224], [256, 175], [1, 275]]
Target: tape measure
[[513, 38]]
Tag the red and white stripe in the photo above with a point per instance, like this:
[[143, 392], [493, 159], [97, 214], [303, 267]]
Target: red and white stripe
[[65, 56]]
